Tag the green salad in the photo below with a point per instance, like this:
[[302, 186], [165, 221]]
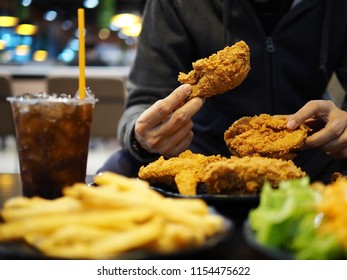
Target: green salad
[[289, 218]]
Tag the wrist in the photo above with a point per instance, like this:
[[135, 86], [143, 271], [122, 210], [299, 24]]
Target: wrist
[[139, 151]]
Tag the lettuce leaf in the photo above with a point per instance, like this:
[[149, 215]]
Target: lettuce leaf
[[309, 244], [276, 219], [287, 218]]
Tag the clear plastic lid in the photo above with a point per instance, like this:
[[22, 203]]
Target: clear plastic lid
[[31, 98]]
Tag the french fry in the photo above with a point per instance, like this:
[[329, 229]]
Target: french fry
[[19, 209], [109, 198], [128, 240], [45, 223], [213, 225], [123, 183], [118, 215], [195, 206], [23, 202], [175, 237], [102, 247], [68, 235]]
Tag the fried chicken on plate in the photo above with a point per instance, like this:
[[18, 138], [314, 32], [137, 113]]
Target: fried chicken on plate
[[265, 136], [183, 172], [219, 175], [220, 72], [248, 174]]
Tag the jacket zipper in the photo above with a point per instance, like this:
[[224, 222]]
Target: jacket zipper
[[270, 48]]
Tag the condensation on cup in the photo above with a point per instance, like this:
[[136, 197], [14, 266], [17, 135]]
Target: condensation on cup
[[52, 134]]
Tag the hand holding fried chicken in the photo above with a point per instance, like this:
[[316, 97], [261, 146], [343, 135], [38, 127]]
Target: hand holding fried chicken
[[332, 134], [166, 127]]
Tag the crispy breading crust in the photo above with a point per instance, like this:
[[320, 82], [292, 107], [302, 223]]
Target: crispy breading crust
[[248, 174], [219, 174], [220, 72], [266, 136], [182, 173]]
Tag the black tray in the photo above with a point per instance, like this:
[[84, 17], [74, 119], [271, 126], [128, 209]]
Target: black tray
[[235, 207]]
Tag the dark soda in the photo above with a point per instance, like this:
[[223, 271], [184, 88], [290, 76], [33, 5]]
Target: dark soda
[[52, 141]]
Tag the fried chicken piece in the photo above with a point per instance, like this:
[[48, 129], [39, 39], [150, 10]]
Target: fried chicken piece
[[266, 136], [336, 176], [220, 72], [247, 175], [182, 173]]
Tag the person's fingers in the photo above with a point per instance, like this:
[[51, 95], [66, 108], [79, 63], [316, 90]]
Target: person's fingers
[[148, 125], [163, 108], [182, 145], [172, 141], [177, 129], [181, 116], [333, 134], [179, 146], [340, 154], [332, 130], [332, 146], [308, 111], [282, 116]]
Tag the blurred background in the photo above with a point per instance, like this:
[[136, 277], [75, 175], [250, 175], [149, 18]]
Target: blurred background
[[39, 42], [45, 31]]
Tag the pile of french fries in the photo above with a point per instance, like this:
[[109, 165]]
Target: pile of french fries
[[118, 215]]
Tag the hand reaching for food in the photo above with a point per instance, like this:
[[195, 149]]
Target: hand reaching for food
[[331, 137]]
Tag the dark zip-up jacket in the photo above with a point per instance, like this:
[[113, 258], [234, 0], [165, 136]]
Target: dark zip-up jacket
[[288, 68]]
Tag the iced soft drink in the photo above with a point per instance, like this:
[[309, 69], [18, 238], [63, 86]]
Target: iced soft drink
[[52, 140]]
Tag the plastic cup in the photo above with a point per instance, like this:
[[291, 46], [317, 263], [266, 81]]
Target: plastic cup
[[52, 134]]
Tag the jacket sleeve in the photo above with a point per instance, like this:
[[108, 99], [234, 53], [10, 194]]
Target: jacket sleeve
[[341, 71], [162, 52]]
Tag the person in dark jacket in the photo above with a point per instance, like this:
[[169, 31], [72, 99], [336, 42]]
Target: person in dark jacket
[[295, 45]]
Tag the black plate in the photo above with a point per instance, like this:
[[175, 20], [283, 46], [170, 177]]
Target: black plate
[[21, 250], [273, 253], [235, 207]]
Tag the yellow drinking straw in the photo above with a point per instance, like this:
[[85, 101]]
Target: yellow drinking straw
[[81, 55]]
